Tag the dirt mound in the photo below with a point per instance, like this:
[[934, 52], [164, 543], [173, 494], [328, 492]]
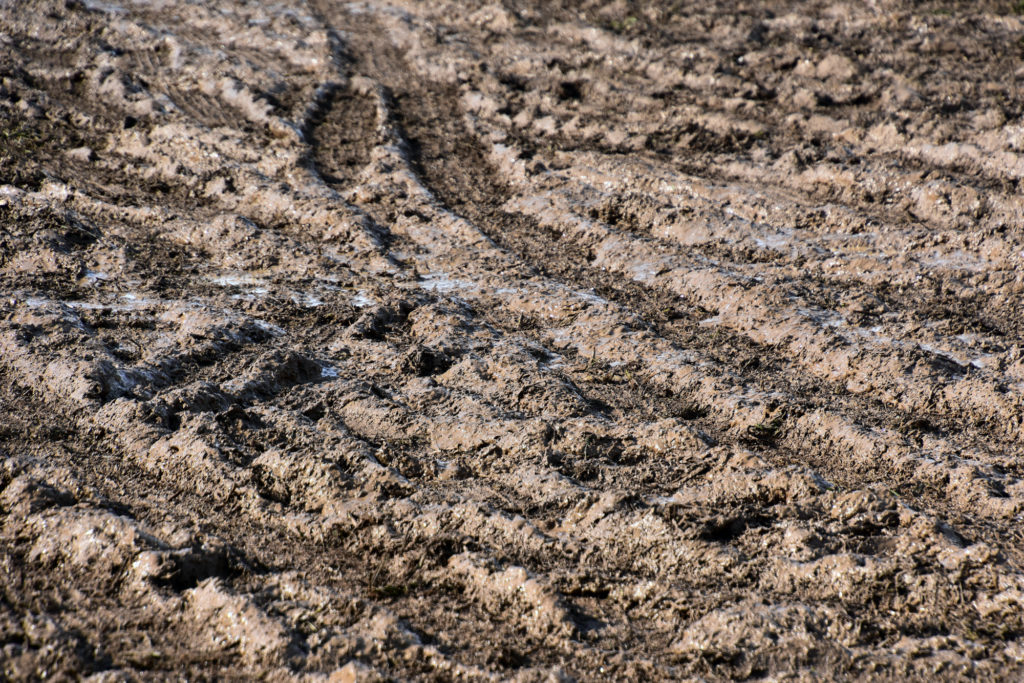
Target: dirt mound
[[532, 341]]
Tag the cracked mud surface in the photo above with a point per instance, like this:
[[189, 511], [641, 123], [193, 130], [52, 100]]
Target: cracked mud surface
[[532, 341]]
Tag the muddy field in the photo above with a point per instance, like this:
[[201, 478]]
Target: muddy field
[[533, 341]]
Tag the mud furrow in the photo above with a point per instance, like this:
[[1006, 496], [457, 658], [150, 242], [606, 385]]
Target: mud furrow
[[819, 339], [847, 434], [435, 235], [533, 341]]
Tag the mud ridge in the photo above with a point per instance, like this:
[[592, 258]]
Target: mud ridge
[[510, 341]]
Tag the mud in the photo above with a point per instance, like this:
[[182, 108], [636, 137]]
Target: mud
[[514, 341]]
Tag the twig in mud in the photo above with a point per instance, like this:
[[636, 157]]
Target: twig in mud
[[380, 566]]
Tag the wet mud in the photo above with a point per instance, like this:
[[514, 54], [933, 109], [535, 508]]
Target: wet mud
[[513, 341]]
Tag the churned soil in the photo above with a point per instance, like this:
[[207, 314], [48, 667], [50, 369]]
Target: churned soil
[[531, 340]]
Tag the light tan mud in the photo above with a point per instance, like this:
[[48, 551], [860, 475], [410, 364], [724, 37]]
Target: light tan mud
[[511, 341]]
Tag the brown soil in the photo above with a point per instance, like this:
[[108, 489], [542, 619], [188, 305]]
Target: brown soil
[[524, 340]]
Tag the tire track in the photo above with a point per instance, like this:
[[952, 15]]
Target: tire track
[[351, 411]]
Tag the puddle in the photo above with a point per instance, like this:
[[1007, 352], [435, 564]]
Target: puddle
[[237, 280], [92, 277], [442, 283], [362, 300]]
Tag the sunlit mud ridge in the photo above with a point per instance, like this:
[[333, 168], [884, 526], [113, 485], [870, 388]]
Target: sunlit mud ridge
[[513, 341]]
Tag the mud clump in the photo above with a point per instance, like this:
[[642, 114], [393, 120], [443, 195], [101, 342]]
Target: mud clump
[[522, 340]]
